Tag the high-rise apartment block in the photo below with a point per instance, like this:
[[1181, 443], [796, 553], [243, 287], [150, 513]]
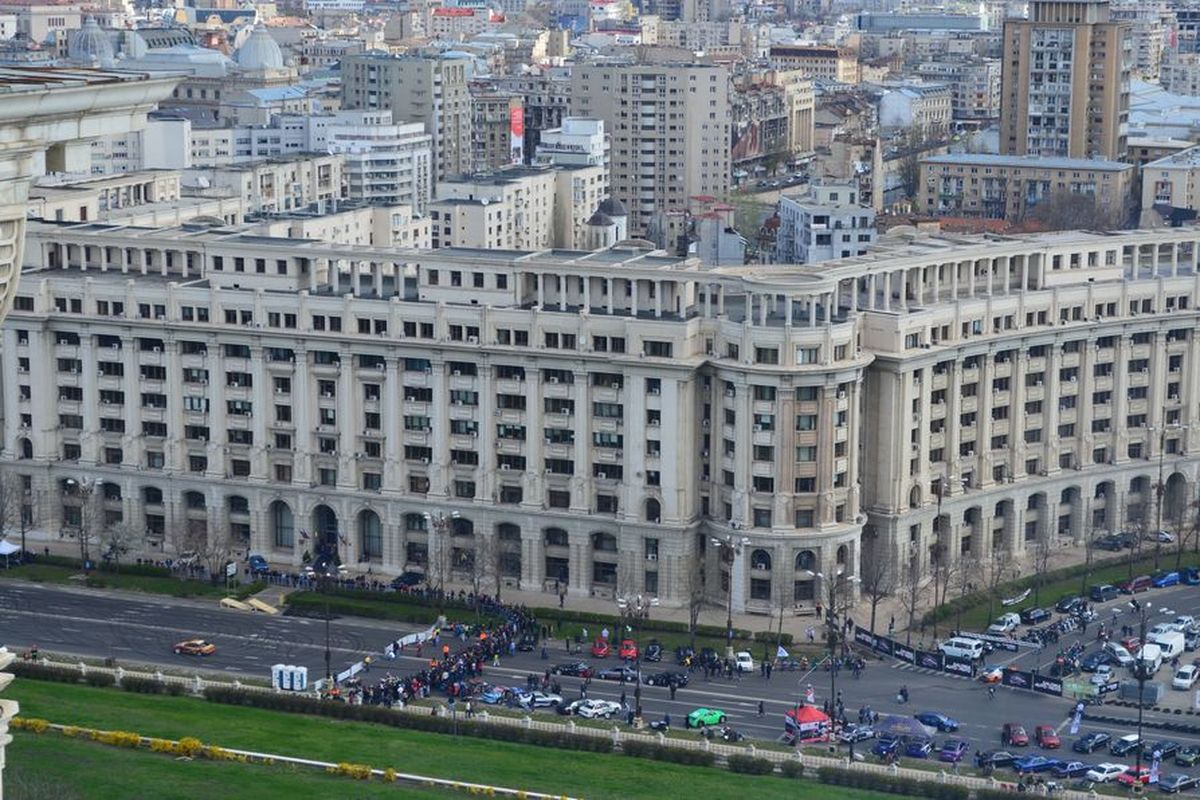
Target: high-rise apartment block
[[669, 128], [417, 88], [1065, 81]]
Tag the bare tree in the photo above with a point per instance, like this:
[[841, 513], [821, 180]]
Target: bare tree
[[89, 518], [694, 593], [998, 572], [1089, 557], [1063, 211], [10, 505], [1041, 564], [965, 571], [118, 539], [909, 591], [217, 547], [910, 163], [878, 582]]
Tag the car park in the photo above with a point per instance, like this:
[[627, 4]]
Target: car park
[[1165, 579], [596, 709], [1105, 773], [1091, 742], [1034, 616], [1188, 756], [1125, 745], [1103, 593], [918, 747], [937, 720], [854, 733], [1014, 735], [1185, 677], [573, 669], [1071, 769], [1177, 782], [195, 647], [1047, 737], [953, 750], [1139, 584], [701, 717], [994, 758]]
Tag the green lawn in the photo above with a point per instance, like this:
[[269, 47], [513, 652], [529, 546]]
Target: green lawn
[[151, 584], [590, 775]]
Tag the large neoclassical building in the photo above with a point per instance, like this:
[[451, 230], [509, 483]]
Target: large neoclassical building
[[595, 422]]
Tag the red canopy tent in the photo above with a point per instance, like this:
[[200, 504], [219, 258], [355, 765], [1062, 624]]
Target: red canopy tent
[[808, 723]]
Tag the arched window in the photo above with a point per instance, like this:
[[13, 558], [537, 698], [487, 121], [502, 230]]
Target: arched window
[[843, 553], [370, 535], [507, 532], [238, 504], [555, 537], [604, 542], [806, 560], [152, 495], [193, 500], [461, 526], [914, 497], [760, 559], [653, 510], [283, 527]]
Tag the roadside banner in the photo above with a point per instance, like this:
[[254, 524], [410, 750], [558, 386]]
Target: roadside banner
[[959, 666], [866, 638], [1016, 678], [929, 660], [1046, 685], [1154, 766], [1077, 719], [903, 653], [1012, 601]]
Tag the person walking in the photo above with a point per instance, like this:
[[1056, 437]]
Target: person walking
[[761, 709]]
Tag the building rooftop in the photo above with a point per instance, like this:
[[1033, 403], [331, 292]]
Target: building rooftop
[[1184, 158], [1037, 162], [39, 79]]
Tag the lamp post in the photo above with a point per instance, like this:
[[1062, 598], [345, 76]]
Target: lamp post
[[730, 548], [1140, 672], [85, 490], [637, 607], [325, 569], [1160, 489], [439, 524], [834, 586]]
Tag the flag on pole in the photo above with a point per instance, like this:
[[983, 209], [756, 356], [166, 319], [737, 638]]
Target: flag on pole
[[1154, 766], [780, 652]]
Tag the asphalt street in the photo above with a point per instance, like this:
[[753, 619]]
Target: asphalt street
[[141, 630]]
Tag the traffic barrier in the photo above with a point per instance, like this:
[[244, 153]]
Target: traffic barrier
[[233, 602], [259, 605]]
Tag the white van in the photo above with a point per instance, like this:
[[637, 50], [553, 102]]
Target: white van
[[960, 647], [1171, 643], [1151, 656]]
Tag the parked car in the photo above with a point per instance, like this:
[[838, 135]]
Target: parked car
[[991, 674], [1120, 653], [1165, 579], [406, 580], [1139, 584], [937, 720], [1091, 742], [994, 758], [542, 700], [493, 695], [1165, 749], [855, 733], [1176, 782], [1005, 623], [601, 648], [887, 746], [1185, 677], [918, 748], [596, 709], [1034, 763], [1102, 675], [1069, 605], [1191, 576], [1103, 593], [1014, 735], [743, 662], [1188, 756], [701, 717], [1034, 616], [1111, 542], [1126, 745], [1105, 773], [1134, 775], [1047, 737], [622, 673], [679, 678], [654, 651], [628, 651], [953, 750], [1071, 769], [573, 669], [1163, 537], [1093, 661], [258, 565]]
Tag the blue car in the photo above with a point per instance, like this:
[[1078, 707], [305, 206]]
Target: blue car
[[493, 695], [1165, 579], [953, 750], [1071, 769], [1035, 764], [934, 719], [258, 565], [1191, 576], [919, 748], [887, 746]]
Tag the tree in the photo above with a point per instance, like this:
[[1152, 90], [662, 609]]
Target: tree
[[909, 593], [878, 582], [694, 593], [10, 505], [910, 162], [965, 570], [1089, 556], [25, 510], [1041, 564], [118, 539], [89, 516], [998, 572], [1067, 211], [217, 548]]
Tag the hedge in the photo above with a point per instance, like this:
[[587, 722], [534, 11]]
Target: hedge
[[43, 672], [750, 765], [660, 625], [100, 679], [144, 570], [891, 784], [792, 769], [151, 686], [661, 752]]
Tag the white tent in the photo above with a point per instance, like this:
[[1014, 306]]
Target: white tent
[[8, 548]]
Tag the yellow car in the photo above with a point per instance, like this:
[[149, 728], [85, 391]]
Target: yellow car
[[195, 647]]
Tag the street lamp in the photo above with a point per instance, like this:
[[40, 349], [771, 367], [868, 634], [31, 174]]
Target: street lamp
[[85, 490], [834, 587], [1160, 488], [439, 524], [730, 548], [1140, 670], [326, 570], [637, 607]]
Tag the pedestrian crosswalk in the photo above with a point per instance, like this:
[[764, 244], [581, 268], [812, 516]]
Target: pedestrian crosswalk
[[906, 667]]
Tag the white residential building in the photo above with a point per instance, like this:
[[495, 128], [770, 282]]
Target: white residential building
[[384, 162], [825, 223], [578, 142]]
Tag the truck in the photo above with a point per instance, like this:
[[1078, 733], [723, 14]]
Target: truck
[[1150, 658], [1171, 643]]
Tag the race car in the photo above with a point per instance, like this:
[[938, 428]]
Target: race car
[[195, 647]]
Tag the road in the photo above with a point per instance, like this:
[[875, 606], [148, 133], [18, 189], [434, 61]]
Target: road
[[141, 630]]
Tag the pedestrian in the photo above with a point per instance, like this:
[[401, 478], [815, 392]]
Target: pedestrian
[[761, 709], [672, 690], [820, 611]]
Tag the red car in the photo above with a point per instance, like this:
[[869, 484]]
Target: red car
[[1014, 735], [1046, 737], [1131, 643], [1132, 775], [628, 650], [1139, 584], [601, 648]]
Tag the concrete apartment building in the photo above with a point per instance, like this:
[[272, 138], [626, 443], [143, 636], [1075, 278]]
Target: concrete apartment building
[[825, 223], [1179, 72], [510, 210], [669, 127], [431, 90], [1011, 187], [1172, 183], [345, 391], [825, 61], [497, 129], [382, 162], [974, 85], [288, 183], [924, 109], [1065, 81]]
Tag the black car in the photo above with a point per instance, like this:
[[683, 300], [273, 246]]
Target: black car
[[994, 758], [1188, 756], [407, 579], [1034, 616], [1091, 742], [1069, 605], [1165, 749], [1125, 746], [1093, 661], [668, 678], [1112, 543], [1104, 592], [1176, 783], [574, 669], [621, 673], [653, 652]]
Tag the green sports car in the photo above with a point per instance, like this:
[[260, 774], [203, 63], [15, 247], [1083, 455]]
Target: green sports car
[[705, 716]]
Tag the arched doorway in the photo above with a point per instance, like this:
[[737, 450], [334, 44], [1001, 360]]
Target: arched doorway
[[653, 510], [283, 525], [1175, 499], [325, 530], [370, 536]]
